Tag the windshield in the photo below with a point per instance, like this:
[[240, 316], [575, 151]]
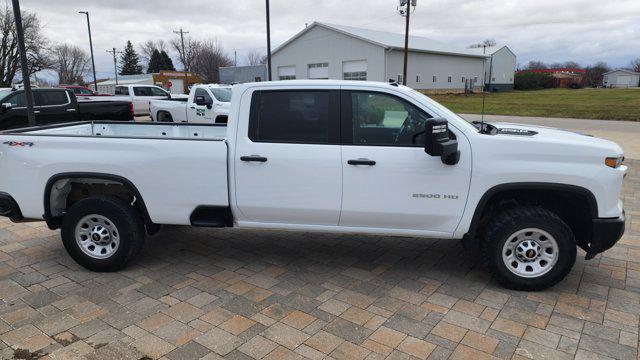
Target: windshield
[[4, 93], [221, 94], [445, 111]]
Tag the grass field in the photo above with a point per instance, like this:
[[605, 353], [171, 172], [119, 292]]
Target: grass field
[[604, 104]]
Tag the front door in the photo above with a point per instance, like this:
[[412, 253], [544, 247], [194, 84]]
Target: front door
[[54, 106], [389, 182], [200, 113], [287, 159], [15, 116]]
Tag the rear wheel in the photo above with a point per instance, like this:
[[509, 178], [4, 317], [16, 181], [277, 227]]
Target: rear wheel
[[102, 234], [528, 248], [164, 116]]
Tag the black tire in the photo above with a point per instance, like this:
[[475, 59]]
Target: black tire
[[508, 222], [164, 116], [124, 217]]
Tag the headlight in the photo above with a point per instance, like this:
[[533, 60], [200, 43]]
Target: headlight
[[614, 162]]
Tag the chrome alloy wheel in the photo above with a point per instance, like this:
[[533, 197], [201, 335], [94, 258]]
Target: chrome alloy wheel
[[530, 253], [97, 236]]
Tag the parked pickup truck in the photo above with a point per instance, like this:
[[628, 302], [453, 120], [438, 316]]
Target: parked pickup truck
[[57, 105], [206, 104], [140, 96], [338, 156]]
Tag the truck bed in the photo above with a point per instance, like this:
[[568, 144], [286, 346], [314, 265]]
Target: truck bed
[[129, 130]]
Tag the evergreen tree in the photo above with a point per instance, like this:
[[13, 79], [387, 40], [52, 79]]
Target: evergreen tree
[[129, 61], [165, 60], [155, 62]]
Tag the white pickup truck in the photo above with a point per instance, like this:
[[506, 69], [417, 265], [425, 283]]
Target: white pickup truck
[[207, 104], [139, 95], [337, 156]]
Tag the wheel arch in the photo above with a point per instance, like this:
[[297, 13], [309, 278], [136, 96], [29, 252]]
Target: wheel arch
[[539, 188], [54, 222]]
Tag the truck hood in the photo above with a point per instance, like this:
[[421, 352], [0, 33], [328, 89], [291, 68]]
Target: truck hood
[[554, 135]]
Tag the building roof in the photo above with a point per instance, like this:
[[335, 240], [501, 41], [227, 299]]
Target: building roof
[[128, 79], [623, 70], [491, 50], [389, 40]]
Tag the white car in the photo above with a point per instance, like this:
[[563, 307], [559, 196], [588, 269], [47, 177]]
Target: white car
[[139, 95], [337, 156], [206, 104]]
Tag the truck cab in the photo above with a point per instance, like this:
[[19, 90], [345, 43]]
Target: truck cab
[[206, 104]]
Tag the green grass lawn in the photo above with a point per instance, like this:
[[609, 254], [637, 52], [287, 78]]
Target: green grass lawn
[[604, 104]]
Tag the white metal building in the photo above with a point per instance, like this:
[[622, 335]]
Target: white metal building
[[109, 86], [499, 69], [327, 51], [621, 78]]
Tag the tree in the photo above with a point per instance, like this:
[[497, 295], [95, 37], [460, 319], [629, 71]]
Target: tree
[[187, 55], [165, 61], [255, 57], [146, 49], [159, 61], [571, 65], [36, 46], [485, 43], [536, 65], [527, 80], [208, 60], [595, 73], [635, 65], [129, 61], [71, 63]]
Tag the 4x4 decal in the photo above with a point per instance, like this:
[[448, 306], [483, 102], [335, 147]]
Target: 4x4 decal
[[18, 143]]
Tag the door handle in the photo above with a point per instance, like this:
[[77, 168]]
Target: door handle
[[71, 110], [36, 111], [192, 107], [361, 162], [254, 158]]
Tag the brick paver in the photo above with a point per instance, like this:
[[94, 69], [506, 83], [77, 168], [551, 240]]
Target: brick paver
[[211, 294]]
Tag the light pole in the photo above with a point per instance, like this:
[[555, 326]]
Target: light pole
[[23, 62], [93, 64], [406, 13], [268, 42]]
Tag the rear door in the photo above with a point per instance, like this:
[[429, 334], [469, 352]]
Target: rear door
[[389, 182], [287, 158], [142, 95], [54, 106]]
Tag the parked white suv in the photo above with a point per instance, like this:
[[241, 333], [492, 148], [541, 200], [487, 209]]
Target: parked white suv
[[339, 156]]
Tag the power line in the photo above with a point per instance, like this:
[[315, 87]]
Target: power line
[[183, 55], [115, 62]]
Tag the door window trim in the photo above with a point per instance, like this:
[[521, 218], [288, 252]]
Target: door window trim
[[333, 125], [36, 93], [346, 110]]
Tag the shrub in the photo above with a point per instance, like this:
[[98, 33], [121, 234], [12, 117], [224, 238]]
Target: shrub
[[527, 80]]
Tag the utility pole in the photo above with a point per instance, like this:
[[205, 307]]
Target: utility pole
[[407, 14], [23, 62], [184, 55], [268, 42], [93, 64], [235, 57], [115, 61]]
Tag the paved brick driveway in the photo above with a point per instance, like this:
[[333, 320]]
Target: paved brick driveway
[[240, 294]]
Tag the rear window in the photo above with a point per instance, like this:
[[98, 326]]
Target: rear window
[[122, 90], [142, 91], [291, 117], [51, 97]]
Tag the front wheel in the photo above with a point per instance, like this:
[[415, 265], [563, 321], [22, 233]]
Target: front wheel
[[102, 234], [528, 248]]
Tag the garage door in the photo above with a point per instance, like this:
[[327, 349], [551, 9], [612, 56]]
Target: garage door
[[287, 72], [319, 71], [354, 70], [623, 80], [177, 86]]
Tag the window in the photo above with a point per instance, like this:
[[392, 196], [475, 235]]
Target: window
[[318, 65], [400, 79], [122, 90], [435, 78], [158, 92], [257, 79], [418, 78], [82, 91], [141, 91], [287, 77], [221, 94], [380, 119], [475, 79], [449, 78], [356, 75], [51, 97], [290, 117], [463, 79], [203, 93], [493, 79], [318, 71], [17, 100]]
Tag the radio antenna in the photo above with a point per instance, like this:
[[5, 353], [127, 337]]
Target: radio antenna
[[484, 92]]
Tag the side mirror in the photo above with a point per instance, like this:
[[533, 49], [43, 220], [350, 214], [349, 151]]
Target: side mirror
[[438, 142], [6, 107], [202, 102]]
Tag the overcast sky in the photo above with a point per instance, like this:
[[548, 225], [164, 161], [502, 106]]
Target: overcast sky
[[585, 31]]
